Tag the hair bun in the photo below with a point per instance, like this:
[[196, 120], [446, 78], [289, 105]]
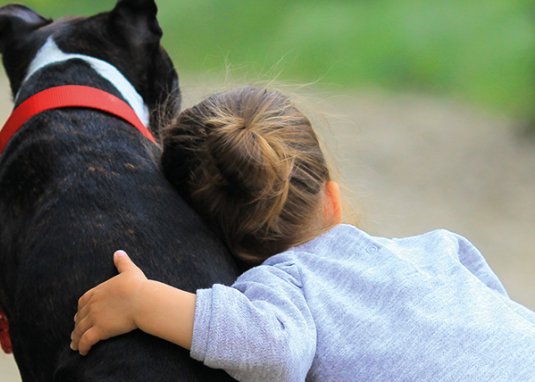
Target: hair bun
[[253, 165], [250, 164]]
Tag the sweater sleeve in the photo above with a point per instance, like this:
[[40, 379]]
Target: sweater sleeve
[[260, 329], [472, 260]]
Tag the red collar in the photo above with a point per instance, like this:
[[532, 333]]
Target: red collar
[[5, 339], [70, 96]]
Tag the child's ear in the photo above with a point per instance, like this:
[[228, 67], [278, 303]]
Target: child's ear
[[333, 203]]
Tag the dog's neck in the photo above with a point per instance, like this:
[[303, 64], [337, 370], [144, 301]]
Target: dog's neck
[[50, 53]]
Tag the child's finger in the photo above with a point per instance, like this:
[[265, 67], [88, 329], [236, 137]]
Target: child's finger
[[89, 338], [123, 262], [82, 301], [82, 326]]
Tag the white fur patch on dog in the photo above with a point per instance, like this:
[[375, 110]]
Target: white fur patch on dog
[[50, 53]]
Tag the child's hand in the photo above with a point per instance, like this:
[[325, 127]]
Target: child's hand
[[109, 309]]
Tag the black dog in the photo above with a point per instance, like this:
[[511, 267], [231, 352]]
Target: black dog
[[77, 184]]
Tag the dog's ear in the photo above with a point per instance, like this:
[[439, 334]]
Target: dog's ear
[[136, 21], [17, 20]]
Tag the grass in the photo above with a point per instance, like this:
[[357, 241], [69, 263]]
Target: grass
[[478, 51]]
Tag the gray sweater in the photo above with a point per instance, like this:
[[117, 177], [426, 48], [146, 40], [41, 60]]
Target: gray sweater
[[347, 306]]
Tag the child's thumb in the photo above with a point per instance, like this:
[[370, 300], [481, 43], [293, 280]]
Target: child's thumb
[[123, 262]]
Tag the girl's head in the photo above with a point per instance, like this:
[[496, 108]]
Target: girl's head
[[250, 163]]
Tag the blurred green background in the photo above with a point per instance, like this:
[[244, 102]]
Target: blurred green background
[[478, 51]]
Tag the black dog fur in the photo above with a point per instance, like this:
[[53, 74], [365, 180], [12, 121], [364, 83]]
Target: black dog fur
[[77, 184]]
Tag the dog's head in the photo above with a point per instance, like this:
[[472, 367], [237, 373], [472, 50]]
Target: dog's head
[[128, 37]]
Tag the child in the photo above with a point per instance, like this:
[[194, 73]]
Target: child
[[325, 301]]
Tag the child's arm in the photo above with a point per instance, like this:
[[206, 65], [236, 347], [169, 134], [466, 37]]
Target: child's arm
[[260, 329], [129, 301]]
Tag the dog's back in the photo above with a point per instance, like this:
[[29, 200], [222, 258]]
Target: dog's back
[[77, 184]]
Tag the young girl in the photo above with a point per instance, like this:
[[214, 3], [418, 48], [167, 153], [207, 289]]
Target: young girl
[[325, 301]]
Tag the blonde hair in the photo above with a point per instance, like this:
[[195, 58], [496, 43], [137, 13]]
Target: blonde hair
[[250, 163]]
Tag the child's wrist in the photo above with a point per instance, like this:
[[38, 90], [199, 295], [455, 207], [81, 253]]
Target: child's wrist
[[164, 311], [142, 298]]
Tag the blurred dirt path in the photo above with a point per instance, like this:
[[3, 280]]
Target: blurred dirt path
[[411, 164]]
